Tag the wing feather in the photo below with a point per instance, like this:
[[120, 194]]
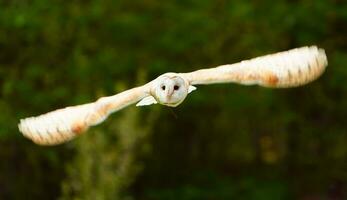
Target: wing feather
[[285, 69], [62, 125], [280, 70]]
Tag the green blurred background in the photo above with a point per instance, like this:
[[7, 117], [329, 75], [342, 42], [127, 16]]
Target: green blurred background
[[224, 142]]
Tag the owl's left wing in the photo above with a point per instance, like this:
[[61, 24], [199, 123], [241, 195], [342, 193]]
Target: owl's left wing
[[280, 70], [64, 124]]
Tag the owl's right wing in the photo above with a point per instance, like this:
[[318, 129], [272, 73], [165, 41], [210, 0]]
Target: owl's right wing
[[64, 124], [280, 70]]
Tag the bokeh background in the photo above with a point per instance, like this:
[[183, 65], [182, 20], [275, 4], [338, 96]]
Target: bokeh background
[[224, 142]]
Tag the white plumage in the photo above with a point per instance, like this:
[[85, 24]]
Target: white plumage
[[285, 69], [291, 68], [58, 126]]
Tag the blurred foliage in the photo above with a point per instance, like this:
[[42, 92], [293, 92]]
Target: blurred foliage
[[103, 168], [244, 143]]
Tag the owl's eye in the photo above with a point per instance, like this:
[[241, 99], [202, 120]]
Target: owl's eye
[[176, 87], [163, 87]]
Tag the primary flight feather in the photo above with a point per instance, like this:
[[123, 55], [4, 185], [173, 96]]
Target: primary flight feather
[[291, 68]]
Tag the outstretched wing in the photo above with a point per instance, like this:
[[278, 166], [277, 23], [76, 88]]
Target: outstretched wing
[[280, 70], [64, 124], [286, 69]]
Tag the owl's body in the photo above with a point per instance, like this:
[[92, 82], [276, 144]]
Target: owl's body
[[281, 70]]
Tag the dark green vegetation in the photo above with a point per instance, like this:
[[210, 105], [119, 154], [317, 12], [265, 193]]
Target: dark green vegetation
[[223, 142]]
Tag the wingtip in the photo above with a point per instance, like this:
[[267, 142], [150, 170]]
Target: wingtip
[[21, 126], [322, 55]]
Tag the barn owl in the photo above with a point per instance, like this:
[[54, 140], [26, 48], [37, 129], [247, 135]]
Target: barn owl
[[290, 68]]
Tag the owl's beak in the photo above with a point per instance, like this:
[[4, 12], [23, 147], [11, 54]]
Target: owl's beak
[[169, 93]]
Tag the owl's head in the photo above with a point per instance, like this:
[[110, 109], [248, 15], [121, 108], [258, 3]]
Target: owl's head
[[169, 89]]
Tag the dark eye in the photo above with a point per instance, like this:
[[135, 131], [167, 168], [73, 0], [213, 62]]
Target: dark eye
[[163, 87], [176, 87]]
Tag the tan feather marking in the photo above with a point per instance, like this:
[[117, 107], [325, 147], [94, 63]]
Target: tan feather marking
[[271, 79], [289, 75], [49, 136], [299, 72], [61, 135], [317, 61], [251, 77], [79, 128], [105, 109], [309, 67], [40, 138]]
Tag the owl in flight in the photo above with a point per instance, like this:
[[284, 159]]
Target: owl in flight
[[286, 69]]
